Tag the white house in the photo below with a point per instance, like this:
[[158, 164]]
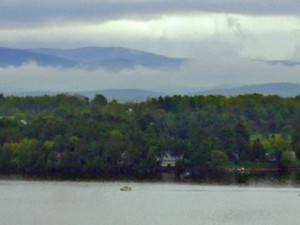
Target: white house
[[168, 160]]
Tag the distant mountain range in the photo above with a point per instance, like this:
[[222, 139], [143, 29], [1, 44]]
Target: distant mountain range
[[135, 95], [124, 95], [289, 63], [111, 58], [281, 89], [17, 57], [121, 95]]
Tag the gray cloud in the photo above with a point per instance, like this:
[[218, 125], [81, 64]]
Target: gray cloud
[[34, 11], [235, 25], [265, 37], [296, 55], [215, 33]]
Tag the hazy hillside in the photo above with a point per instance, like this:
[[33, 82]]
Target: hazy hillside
[[16, 57], [112, 57], [125, 95], [121, 95], [281, 89], [139, 95], [289, 63]]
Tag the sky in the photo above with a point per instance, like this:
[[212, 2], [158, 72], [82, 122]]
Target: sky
[[227, 39]]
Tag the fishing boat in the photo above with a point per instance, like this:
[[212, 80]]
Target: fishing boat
[[126, 188]]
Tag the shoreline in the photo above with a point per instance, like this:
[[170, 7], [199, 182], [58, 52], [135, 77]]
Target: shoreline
[[222, 175]]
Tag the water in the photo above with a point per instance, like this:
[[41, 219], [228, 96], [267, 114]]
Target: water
[[102, 203]]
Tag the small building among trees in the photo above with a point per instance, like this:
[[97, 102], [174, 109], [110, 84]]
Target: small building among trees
[[168, 160]]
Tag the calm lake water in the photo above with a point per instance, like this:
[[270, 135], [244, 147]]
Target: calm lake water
[[149, 203]]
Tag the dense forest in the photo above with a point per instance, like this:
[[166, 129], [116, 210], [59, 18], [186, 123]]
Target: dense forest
[[66, 133]]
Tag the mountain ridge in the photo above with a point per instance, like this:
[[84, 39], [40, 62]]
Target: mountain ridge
[[110, 58], [19, 57], [284, 89]]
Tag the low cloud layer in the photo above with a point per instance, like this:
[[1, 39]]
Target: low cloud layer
[[200, 74]]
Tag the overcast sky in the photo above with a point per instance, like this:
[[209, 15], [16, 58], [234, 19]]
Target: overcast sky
[[222, 36]]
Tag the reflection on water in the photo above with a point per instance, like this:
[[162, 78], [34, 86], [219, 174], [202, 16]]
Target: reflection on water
[[259, 178], [262, 178], [149, 203], [244, 179]]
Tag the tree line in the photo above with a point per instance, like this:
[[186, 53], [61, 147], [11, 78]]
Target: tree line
[[69, 133]]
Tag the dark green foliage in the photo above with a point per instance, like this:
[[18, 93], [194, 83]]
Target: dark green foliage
[[99, 101], [2, 98], [258, 151], [218, 158], [72, 134]]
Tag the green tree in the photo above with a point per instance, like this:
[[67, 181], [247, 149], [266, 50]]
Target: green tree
[[218, 158], [242, 141], [99, 101], [296, 136], [23, 153], [201, 145], [2, 97], [288, 158], [277, 145], [258, 151]]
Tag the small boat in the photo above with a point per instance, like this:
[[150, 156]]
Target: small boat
[[126, 188]]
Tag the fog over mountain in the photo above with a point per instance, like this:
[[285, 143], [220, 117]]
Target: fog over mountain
[[17, 57], [145, 44], [35, 72], [112, 58]]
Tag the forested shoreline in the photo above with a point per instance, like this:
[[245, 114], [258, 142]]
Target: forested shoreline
[[74, 134]]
